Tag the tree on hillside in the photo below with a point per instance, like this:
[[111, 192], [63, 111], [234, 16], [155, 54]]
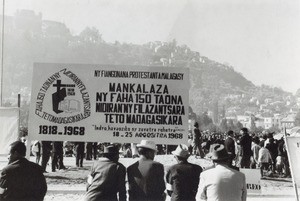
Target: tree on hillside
[[212, 127], [252, 126], [298, 93], [231, 125], [91, 35], [239, 126], [223, 125], [204, 120]]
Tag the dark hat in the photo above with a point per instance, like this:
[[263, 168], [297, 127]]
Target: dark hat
[[110, 150], [219, 153]]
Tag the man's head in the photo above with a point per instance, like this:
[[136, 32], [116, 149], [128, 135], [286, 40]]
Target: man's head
[[17, 151], [147, 149], [244, 131], [111, 152], [196, 124], [256, 140], [181, 153], [230, 133]]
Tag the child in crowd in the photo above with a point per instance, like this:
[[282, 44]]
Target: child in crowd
[[279, 164]]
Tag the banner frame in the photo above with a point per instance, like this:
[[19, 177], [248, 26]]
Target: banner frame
[[291, 169]]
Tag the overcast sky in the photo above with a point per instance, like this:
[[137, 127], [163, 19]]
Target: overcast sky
[[259, 38]]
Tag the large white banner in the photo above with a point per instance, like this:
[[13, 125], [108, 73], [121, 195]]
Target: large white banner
[[9, 118], [293, 144], [107, 103], [252, 180]]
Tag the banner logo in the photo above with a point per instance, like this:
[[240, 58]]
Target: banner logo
[[66, 95]]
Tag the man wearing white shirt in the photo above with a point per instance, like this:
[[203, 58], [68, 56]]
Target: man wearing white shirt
[[222, 183]]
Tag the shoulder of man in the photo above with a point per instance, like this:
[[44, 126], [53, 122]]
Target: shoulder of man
[[157, 164], [120, 165], [197, 167], [135, 164], [11, 166], [33, 165]]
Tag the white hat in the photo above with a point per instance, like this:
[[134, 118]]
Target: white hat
[[182, 151], [147, 144]]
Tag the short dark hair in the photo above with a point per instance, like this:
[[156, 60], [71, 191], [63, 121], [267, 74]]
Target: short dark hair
[[19, 147], [245, 130], [255, 140], [230, 133]]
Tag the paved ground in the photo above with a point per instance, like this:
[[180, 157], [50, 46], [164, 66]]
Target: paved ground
[[63, 185]]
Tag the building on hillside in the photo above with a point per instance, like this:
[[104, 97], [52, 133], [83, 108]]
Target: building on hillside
[[298, 101], [54, 29], [268, 100], [277, 120], [245, 120], [259, 122], [288, 121], [268, 122]]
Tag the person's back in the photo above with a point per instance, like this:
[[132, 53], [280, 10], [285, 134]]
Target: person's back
[[223, 184], [105, 180], [229, 144], [185, 179], [246, 152], [146, 177], [246, 144], [22, 179]]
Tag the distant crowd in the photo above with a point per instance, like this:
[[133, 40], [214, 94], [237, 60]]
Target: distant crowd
[[256, 150]]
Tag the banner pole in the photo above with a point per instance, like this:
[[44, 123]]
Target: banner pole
[[291, 169], [2, 52]]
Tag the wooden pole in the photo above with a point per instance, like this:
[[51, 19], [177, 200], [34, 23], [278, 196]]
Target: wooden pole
[[291, 169]]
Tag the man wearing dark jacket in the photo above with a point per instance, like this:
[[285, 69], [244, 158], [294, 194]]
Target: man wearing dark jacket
[[246, 152], [107, 178], [229, 144], [183, 177], [22, 179], [146, 177]]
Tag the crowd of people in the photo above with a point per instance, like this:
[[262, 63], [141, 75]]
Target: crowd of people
[[256, 150], [146, 178]]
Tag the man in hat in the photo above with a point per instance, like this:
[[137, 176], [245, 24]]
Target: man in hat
[[21, 179], [183, 178], [146, 177], [222, 182], [107, 177]]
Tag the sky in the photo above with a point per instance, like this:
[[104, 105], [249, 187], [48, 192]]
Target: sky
[[259, 38]]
